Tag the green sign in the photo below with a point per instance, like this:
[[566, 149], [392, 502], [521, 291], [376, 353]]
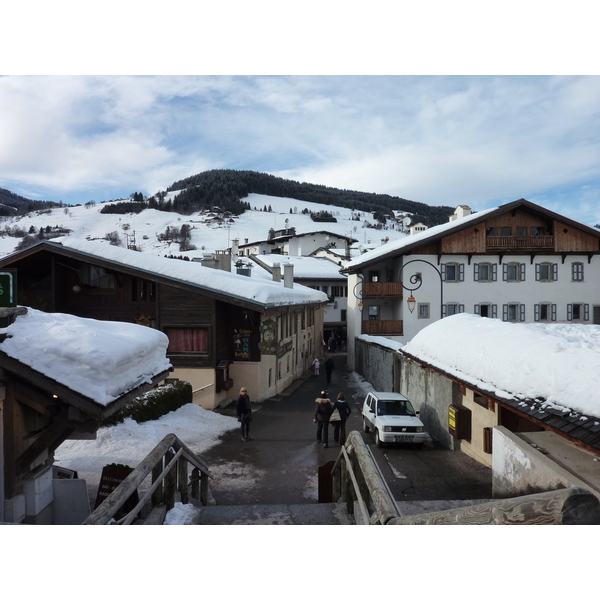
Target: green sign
[[8, 292]]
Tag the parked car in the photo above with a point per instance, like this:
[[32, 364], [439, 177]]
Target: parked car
[[391, 418]]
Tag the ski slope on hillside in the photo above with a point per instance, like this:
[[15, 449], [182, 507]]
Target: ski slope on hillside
[[144, 228]]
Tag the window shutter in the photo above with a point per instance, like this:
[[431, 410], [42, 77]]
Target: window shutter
[[569, 312], [461, 272], [505, 273], [536, 312], [476, 311], [443, 272], [522, 271], [494, 272], [505, 312], [555, 272], [554, 312], [494, 311], [522, 312], [586, 312], [476, 272], [461, 308], [537, 272]]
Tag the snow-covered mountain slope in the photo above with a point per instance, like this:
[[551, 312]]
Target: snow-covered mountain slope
[[87, 222]]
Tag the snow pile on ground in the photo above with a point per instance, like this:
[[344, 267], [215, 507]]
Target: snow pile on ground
[[129, 442], [557, 363], [99, 359]]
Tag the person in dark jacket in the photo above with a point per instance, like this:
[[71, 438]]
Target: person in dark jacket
[[244, 413], [323, 410], [329, 368], [343, 408]]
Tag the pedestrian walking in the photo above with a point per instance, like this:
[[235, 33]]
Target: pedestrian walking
[[316, 364], [323, 410], [344, 410], [244, 413], [329, 368]]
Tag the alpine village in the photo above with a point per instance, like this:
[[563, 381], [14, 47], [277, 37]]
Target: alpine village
[[455, 337]]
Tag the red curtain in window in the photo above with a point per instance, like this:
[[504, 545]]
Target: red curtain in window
[[187, 340]]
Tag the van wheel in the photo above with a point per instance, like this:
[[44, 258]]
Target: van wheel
[[378, 442], [365, 426]]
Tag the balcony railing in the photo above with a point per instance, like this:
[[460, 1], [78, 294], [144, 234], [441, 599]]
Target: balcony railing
[[388, 288], [521, 241], [382, 327]]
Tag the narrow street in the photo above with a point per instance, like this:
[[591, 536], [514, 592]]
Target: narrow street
[[279, 465]]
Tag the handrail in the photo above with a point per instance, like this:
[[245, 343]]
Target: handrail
[[361, 502], [150, 465], [202, 388]]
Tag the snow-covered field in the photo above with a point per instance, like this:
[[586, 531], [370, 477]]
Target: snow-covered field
[[129, 442], [89, 223]]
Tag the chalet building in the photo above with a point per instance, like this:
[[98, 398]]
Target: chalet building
[[519, 262], [318, 274], [296, 244], [50, 392], [225, 330]]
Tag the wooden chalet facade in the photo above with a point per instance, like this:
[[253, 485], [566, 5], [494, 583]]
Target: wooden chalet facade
[[218, 341], [519, 262], [37, 414]]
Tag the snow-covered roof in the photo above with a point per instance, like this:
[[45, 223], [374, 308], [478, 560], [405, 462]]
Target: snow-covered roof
[[101, 360], [417, 238], [556, 363], [305, 267], [263, 293]]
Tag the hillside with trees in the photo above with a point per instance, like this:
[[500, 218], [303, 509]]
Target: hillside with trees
[[226, 188], [13, 204]]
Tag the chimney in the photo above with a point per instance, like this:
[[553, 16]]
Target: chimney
[[208, 260], [462, 210], [288, 275], [276, 272], [235, 247]]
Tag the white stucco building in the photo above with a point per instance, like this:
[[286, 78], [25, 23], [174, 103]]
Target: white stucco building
[[519, 262]]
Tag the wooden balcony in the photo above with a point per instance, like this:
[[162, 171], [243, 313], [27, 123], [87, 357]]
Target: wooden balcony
[[382, 327], [522, 242], [389, 288]]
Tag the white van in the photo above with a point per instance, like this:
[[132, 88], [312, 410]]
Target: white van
[[392, 419]]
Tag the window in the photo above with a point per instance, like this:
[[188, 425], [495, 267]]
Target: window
[[513, 312], [485, 272], [578, 312], [545, 312], [577, 271], [505, 231], [487, 310], [185, 339], [373, 313], [452, 272], [452, 308], [513, 272], [96, 277], [546, 272], [373, 276], [337, 290], [521, 231], [423, 311], [343, 315]]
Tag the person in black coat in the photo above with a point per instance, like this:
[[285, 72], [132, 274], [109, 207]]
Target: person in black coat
[[329, 368], [343, 408], [244, 413], [323, 410]]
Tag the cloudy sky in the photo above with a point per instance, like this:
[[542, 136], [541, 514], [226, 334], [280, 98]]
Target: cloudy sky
[[440, 139]]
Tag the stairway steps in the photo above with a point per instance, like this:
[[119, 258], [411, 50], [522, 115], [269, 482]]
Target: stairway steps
[[270, 514]]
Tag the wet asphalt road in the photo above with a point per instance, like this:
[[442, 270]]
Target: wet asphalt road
[[279, 465]]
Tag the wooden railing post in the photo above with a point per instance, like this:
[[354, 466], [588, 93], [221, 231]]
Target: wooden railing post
[[157, 496], [182, 477], [204, 489], [170, 481], [195, 492]]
